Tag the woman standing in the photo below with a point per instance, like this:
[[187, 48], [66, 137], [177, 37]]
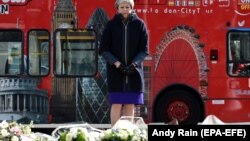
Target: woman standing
[[124, 46]]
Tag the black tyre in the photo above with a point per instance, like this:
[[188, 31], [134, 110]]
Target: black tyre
[[180, 105]]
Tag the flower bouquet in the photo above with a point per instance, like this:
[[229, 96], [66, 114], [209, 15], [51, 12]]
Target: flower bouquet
[[79, 132], [127, 129], [14, 131]]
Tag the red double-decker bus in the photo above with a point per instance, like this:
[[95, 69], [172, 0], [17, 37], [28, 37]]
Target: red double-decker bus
[[198, 63]]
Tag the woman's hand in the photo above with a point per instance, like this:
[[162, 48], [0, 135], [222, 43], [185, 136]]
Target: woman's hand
[[125, 69], [117, 64]]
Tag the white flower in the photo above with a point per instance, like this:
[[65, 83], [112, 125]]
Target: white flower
[[4, 124], [73, 131], [107, 134], [26, 130], [4, 133], [123, 134], [14, 138], [144, 134], [69, 137], [135, 138], [94, 136]]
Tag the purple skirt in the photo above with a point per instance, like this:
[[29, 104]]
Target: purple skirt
[[126, 98]]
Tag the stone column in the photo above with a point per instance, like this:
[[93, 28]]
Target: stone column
[[18, 103], [24, 103]]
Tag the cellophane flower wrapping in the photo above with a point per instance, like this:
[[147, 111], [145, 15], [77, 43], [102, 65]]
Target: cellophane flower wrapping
[[127, 129], [78, 132]]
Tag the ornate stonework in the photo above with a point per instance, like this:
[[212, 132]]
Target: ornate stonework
[[64, 15]]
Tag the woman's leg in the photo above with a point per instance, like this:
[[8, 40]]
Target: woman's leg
[[115, 113], [128, 110]]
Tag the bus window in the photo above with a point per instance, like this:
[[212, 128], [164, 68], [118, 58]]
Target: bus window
[[239, 53], [38, 52], [10, 52], [75, 53]]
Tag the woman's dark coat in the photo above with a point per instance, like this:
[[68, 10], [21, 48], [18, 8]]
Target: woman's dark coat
[[130, 49]]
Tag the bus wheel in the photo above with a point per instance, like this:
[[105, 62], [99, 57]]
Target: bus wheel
[[180, 105]]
